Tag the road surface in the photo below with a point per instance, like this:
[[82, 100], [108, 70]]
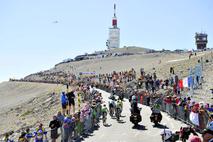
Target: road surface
[[123, 131]]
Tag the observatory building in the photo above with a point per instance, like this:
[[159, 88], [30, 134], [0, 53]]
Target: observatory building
[[114, 33], [201, 40]]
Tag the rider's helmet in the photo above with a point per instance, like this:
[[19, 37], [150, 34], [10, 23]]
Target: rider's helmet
[[134, 98], [166, 134]]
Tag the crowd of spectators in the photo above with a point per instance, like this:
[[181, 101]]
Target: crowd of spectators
[[173, 100]]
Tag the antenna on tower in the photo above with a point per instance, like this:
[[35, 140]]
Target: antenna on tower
[[114, 10]]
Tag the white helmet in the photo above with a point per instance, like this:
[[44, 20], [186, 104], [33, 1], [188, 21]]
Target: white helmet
[[166, 134], [133, 97]]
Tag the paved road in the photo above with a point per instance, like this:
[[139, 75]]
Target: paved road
[[123, 131]]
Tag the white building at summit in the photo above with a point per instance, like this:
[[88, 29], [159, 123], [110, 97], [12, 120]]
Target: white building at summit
[[114, 33]]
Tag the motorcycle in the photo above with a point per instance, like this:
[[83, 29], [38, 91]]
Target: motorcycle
[[156, 118], [135, 117]]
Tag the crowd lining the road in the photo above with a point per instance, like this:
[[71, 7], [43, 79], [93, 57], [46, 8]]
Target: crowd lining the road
[[73, 125]]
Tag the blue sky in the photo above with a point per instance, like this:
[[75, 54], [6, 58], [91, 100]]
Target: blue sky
[[30, 41]]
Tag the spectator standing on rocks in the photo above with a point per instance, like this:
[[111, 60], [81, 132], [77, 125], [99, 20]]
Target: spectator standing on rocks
[[64, 102], [54, 125], [71, 102]]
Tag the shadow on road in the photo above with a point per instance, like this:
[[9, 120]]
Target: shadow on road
[[87, 135], [122, 116], [108, 125], [79, 139], [113, 117], [95, 128], [160, 126], [121, 121], [139, 127]]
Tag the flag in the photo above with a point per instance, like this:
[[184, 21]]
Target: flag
[[185, 82], [180, 84], [194, 118], [190, 81]]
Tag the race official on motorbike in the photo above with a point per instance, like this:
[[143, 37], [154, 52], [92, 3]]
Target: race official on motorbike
[[135, 117], [134, 106], [133, 99]]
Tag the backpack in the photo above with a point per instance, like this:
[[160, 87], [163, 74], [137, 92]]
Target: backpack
[[64, 99]]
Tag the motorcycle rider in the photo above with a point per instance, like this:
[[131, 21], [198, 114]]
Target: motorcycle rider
[[134, 105], [135, 108], [135, 117]]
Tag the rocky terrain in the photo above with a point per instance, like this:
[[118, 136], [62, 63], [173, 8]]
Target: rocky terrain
[[26, 104]]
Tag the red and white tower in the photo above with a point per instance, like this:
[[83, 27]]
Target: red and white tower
[[114, 19], [114, 33]]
